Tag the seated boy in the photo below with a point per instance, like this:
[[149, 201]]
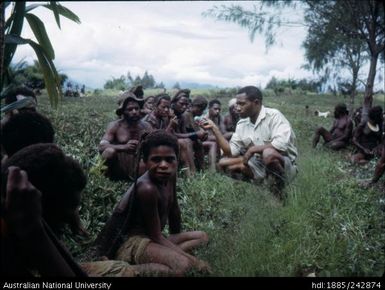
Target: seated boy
[[146, 208]]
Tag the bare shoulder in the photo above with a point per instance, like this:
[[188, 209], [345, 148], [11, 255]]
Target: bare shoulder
[[146, 189]]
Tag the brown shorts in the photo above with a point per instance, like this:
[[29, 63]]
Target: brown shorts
[[132, 249], [109, 268]]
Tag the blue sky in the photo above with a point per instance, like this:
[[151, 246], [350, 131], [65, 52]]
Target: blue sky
[[171, 40]]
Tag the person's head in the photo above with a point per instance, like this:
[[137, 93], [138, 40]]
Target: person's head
[[375, 115], [340, 110], [26, 129], [19, 93], [162, 105], [199, 105], [232, 107], [59, 178], [130, 107], [160, 154], [149, 103], [249, 101], [180, 102], [214, 108]]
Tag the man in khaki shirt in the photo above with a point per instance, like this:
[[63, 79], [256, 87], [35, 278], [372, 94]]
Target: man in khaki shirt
[[263, 143]]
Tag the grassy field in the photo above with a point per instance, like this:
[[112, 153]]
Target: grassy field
[[329, 225]]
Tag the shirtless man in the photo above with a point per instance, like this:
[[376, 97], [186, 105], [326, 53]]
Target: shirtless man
[[367, 137], [341, 132], [179, 104], [214, 115], [119, 144], [231, 119], [198, 106], [146, 208], [159, 118]]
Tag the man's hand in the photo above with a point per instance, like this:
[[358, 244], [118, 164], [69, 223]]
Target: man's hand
[[173, 122], [249, 153], [206, 124], [132, 144], [22, 204], [202, 135]]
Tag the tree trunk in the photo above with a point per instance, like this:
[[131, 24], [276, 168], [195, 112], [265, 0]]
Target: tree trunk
[[368, 98], [2, 32], [353, 92]]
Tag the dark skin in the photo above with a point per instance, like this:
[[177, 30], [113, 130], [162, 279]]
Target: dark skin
[[25, 223], [159, 118], [123, 136], [339, 135], [148, 106], [157, 203], [367, 143], [230, 122], [178, 128]]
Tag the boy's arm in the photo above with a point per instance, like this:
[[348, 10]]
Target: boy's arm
[[174, 217], [147, 196]]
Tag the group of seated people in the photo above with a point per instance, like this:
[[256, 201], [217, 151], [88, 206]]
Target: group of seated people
[[175, 115], [366, 135]]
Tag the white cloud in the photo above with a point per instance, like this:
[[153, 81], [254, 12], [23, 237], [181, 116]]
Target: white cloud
[[171, 40]]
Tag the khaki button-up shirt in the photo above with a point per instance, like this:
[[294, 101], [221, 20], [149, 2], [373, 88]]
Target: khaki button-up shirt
[[271, 126]]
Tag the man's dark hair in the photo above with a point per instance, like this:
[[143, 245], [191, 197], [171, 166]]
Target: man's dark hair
[[200, 102], [252, 93], [375, 114], [58, 177], [25, 129], [158, 138], [341, 109], [213, 102], [162, 96], [181, 93], [12, 93]]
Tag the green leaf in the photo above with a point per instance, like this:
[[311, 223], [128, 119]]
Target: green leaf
[[51, 77], [65, 12], [16, 25], [55, 12], [14, 39], [40, 33], [31, 7]]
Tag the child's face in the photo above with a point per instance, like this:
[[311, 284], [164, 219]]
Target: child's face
[[162, 163]]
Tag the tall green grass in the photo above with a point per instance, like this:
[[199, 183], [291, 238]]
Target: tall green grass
[[328, 225]]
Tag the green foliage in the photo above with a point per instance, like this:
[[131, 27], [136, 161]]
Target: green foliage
[[43, 48]]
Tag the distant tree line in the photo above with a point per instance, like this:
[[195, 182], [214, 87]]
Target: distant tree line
[[279, 86], [126, 81]]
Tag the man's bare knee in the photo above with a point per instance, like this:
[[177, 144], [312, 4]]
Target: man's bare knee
[[108, 153]]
